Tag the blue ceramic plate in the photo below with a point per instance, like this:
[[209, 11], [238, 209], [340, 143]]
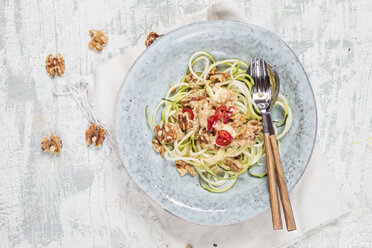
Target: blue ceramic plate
[[166, 61]]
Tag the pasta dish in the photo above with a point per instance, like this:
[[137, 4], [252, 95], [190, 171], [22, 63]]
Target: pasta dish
[[210, 125]]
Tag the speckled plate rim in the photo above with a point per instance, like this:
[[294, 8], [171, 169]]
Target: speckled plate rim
[[153, 46]]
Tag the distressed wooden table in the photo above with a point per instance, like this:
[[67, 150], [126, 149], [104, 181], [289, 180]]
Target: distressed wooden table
[[83, 197]]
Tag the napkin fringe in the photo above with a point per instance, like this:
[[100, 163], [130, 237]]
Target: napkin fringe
[[80, 93]]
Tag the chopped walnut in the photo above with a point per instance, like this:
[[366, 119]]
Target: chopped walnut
[[237, 119], [54, 65], [191, 79], [95, 135], [223, 96], [255, 126], [213, 71], [152, 37], [246, 133], [174, 90], [220, 77], [234, 164], [183, 168], [98, 39], [168, 133], [194, 96], [53, 145], [184, 121], [206, 139], [203, 136], [158, 147], [216, 75], [201, 106]]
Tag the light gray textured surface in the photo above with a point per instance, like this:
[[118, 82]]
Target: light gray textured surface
[[83, 198]]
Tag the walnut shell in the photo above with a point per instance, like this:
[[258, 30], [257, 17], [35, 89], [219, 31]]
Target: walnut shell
[[53, 145], [95, 135]]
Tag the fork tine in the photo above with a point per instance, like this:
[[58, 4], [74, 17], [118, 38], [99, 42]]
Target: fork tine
[[262, 86], [265, 75], [253, 75], [258, 77]]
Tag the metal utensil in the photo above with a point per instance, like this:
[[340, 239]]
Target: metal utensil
[[265, 93]]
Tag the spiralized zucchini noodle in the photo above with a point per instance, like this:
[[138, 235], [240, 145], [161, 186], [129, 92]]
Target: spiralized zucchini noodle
[[208, 159]]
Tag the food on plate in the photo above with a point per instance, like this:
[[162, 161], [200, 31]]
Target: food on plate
[[210, 125]]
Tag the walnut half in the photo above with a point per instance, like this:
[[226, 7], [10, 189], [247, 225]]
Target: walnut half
[[191, 79], [184, 121], [98, 39], [95, 135], [234, 164], [168, 133], [53, 145], [216, 75], [152, 37], [183, 168], [54, 65], [158, 147]]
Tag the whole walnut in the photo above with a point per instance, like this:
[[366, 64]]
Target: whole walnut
[[98, 39], [53, 145], [95, 135], [54, 65], [151, 37]]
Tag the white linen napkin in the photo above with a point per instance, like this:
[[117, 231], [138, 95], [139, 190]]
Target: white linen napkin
[[316, 199]]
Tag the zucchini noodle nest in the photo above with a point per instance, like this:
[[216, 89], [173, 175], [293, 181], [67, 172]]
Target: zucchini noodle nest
[[209, 161]]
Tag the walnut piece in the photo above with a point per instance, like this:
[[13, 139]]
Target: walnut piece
[[168, 133], [237, 120], [101, 136], [207, 139], [183, 168], [184, 121], [234, 164], [95, 135], [174, 90], [194, 97], [54, 65], [53, 145], [152, 37], [255, 126], [220, 77], [246, 132], [216, 75], [98, 39], [158, 147], [191, 79]]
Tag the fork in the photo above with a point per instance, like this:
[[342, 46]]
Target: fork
[[262, 98], [265, 93]]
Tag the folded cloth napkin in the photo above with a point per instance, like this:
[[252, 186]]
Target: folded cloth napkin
[[316, 199]]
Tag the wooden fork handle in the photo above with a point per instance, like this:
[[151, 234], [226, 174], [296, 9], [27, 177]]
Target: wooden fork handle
[[274, 199], [287, 208]]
